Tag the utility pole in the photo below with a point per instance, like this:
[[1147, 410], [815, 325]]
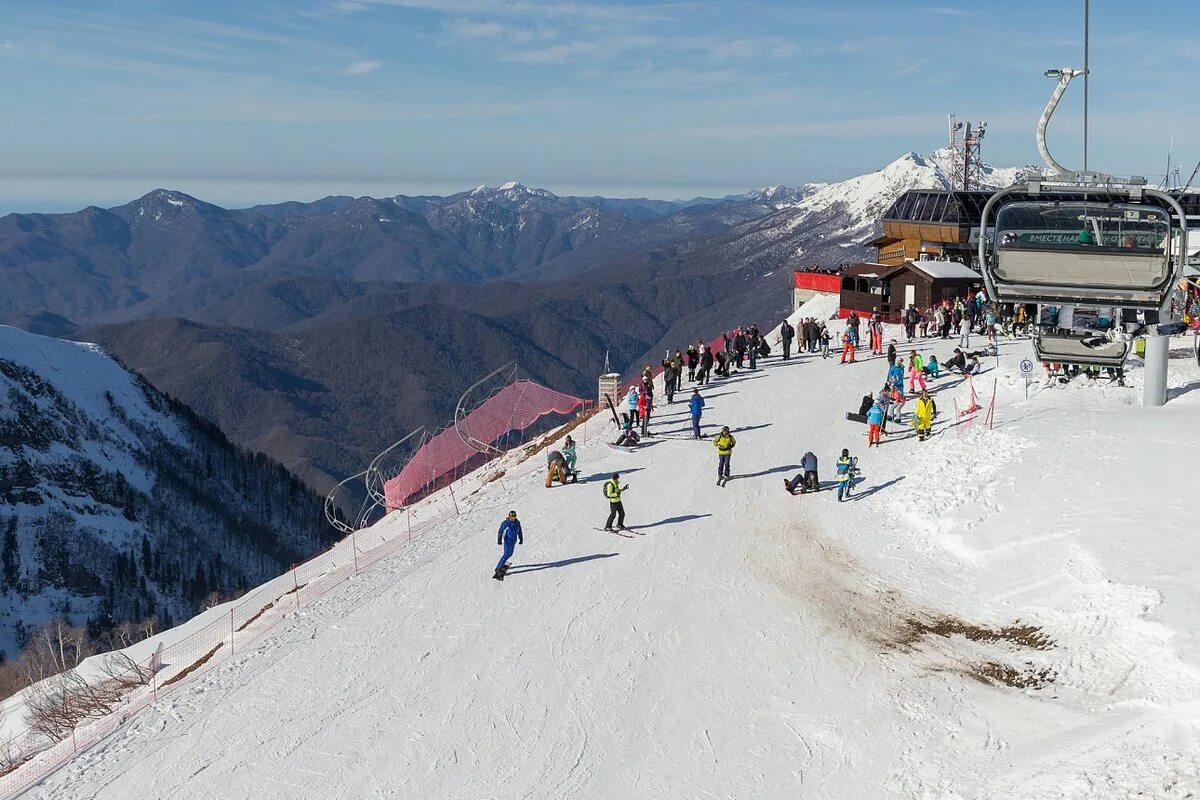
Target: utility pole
[[1086, 75]]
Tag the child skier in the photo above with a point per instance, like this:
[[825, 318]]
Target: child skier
[[510, 536], [874, 424], [846, 469]]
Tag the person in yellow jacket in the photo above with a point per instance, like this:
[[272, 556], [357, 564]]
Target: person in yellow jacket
[[724, 444], [923, 416], [613, 490]]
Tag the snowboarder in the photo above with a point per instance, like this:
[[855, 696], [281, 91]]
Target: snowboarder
[[724, 444], [696, 407], [895, 374], [806, 481], [846, 469], [510, 536], [874, 424], [786, 334], [923, 416], [613, 490], [628, 437]]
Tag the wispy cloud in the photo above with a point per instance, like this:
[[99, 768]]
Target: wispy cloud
[[361, 68], [948, 11]]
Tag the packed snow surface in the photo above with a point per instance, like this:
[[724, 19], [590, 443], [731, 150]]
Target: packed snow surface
[[996, 613]]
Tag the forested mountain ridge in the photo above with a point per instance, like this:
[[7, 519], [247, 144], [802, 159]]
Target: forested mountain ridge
[[121, 504]]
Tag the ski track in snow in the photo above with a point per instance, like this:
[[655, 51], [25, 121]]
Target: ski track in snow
[[754, 644]]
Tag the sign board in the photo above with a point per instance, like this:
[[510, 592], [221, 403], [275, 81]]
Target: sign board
[[1026, 368]]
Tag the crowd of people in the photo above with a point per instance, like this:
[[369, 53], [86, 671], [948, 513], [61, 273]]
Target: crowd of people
[[907, 377]]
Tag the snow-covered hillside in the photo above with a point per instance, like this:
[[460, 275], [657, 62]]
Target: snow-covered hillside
[[997, 613], [121, 505]]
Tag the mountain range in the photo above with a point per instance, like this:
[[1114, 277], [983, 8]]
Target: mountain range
[[319, 332]]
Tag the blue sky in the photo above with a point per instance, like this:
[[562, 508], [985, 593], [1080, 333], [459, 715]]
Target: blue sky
[[244, 102]]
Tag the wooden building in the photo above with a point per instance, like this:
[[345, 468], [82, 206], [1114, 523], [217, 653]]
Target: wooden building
[[891, 288]]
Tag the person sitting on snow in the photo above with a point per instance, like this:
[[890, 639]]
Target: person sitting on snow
[[807, 480], [931, 368], [629, 437], [973, 368], [957, 362]]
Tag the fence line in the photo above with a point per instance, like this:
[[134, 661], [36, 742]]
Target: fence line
[[35, 755]]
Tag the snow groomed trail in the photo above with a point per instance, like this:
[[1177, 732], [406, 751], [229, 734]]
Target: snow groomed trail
[[1005, 613]]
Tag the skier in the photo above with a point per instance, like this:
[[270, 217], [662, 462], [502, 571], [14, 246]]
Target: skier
[[696, 406], [874, 424], [807, 481], [849, 340], [846, 467], [510, 536], [724, 444], [786, 334], [876, 334], [613, 490], [923, 416]]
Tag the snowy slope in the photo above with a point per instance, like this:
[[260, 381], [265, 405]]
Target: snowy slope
[[113, 497], [1006, 613]]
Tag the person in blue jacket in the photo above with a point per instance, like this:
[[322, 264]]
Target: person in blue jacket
[[896, 373], [696, 406], [510, 536]]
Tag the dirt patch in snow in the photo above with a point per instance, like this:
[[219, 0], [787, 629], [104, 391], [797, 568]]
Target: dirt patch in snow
[[819, 572]]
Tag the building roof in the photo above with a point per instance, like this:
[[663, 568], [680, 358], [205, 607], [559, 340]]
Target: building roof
[[867, 269], [945, 270], [966, 208]]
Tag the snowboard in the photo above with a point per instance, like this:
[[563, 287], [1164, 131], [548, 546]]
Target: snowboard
[[618, 533], [621, 447], [856, 417]]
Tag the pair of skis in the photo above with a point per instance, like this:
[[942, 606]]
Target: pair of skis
[[620, 532]]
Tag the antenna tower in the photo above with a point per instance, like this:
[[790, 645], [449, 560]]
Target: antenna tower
[[966, 161]]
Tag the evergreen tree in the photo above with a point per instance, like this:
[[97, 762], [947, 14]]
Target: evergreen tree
[[10, 555]]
